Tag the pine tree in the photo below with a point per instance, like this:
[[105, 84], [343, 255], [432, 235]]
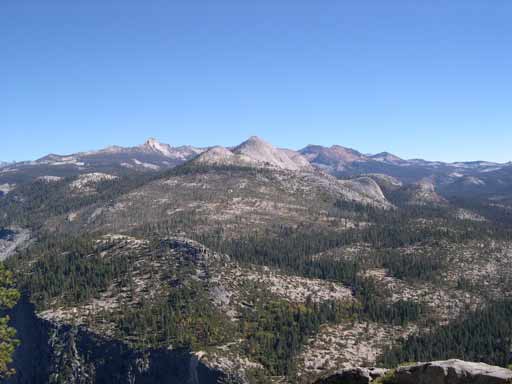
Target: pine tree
[[8, 342]]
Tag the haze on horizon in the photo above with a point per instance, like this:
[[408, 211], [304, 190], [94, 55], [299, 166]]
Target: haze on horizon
[[429, 81], [150, 139]]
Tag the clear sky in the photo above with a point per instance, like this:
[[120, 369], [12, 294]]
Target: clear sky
[[430, 79]]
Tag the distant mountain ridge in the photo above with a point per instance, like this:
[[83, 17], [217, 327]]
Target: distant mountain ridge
[[461, 178], [335, 159], [151, 148], [472, 178], [338, 159]]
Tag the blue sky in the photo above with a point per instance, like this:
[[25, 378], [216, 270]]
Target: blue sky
[[430, 79]]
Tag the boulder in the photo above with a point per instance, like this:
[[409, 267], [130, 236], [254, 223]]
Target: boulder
[[452, 372], [356, 375]]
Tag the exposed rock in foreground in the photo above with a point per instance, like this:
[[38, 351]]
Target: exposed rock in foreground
[[355, 375], [452, 372], [437, 372]]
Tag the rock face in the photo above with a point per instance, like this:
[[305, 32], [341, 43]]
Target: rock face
[[355, 375], [10, 239], [452, 372], [154, 145], [437, 372], [388, 183], [88, 181], [57, 353], [368, 187], [422, 193]]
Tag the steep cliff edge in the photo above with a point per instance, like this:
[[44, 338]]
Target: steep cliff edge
[[51, 353]]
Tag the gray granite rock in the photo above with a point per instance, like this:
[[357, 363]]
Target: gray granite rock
[[452, 372], [356, 375]]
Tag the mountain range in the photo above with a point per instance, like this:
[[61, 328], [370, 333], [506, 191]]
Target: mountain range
[[473, 178]]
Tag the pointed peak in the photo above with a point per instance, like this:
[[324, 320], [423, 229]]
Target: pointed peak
[[254, 143], [151, 141], [255, 140], [153, 144]]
